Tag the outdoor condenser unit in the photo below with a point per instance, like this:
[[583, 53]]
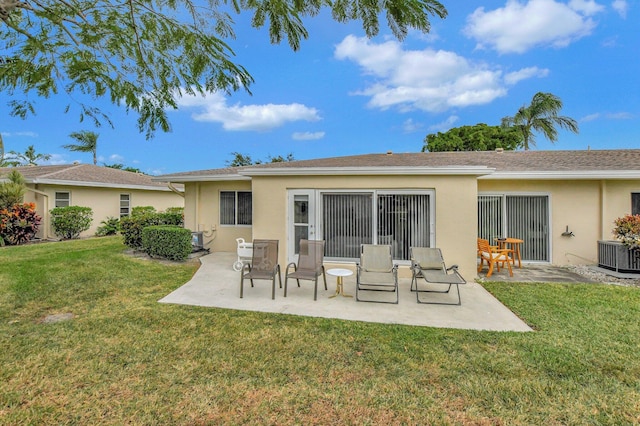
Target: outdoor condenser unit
[[197, 241]]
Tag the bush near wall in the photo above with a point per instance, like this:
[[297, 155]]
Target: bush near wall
[[169, 242], [131, 226], [18, 224], [69, 222]]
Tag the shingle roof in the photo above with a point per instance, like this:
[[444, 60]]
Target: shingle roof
[[85, 175], [509, 163]]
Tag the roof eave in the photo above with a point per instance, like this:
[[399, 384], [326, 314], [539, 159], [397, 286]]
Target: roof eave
[[362, 171], [199, 178], [564, 175], [95, 184]]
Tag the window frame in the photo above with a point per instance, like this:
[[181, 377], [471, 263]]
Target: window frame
[[56, 199], [128, 205], [236, 209], [635, 202]]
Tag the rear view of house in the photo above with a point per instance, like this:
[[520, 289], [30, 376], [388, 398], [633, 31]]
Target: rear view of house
[[560, 203]]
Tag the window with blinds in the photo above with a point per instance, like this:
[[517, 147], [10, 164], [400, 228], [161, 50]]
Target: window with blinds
[[62, 199], [125, 205], [400, 220], [236, 208], [525, 217]]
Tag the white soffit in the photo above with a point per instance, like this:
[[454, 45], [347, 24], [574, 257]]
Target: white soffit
[[355, 171], [564, 175]]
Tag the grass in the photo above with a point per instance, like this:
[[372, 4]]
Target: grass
[[124, 358]]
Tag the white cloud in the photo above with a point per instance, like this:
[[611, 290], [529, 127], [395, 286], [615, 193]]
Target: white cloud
[[621, 7], [525, 73], [518, 27], [410, 126], [19, 134], [307, 136], [429, 80], [607, 116], [214, 108], [445, 125], [116, 157]]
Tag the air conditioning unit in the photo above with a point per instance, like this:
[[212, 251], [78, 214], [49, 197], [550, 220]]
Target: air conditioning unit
[[617, 257], [197, 241]]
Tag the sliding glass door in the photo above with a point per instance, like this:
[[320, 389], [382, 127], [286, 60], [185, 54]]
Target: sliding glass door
[[517, 216]]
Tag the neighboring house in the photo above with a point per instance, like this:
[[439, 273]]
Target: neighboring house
[[109, 192], [442, 199]]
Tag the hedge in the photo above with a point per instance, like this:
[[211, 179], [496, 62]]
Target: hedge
[[169, 242]]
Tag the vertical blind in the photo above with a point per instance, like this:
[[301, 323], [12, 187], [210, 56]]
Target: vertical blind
[[402, 221], [517, 216], [235, 208], [347, 222], [528, 220]]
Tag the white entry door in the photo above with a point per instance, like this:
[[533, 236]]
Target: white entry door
[[302, 219]]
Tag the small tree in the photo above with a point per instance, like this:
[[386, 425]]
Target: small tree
[[12, 191], [69, 222]]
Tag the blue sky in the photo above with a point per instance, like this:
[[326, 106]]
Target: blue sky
[[344, 94]]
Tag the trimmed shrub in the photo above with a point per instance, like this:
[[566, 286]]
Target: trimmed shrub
[[169, 242], [109, 226], [175, 210], [18, 224], [140, 210], [69, 222], [131, 226]]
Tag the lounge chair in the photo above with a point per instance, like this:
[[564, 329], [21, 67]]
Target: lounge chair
[[264, 265], [376, 272], [309, 266], [494, 256], [428, 264]]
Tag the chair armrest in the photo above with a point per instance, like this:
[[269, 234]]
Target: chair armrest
[[295, 267], [452, 267]]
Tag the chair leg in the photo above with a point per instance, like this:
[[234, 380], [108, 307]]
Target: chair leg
[[241, 285], [324, 277], [315, 289], [286, 278], [490, 268], [279, 276], [273, 288]]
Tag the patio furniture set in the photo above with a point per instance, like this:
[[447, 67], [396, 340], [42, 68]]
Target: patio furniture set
[[375, 271], [506, 252]]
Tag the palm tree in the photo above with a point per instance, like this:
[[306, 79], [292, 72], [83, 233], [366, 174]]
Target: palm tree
[[87, 142], [541, 116], [27, 158]]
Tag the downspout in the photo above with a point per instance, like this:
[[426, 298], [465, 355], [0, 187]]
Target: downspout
[[603, 202], [174, 189], [45, 215]]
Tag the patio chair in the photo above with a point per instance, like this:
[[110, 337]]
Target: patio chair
[[264, 265], [494, 256], [309, 266], [427, 263], [376, 272]]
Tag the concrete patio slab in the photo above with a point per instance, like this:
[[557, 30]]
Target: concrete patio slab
[[216, 284]]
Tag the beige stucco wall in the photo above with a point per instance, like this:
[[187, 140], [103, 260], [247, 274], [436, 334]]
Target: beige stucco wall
[[455, 205], [587, 207], [104, 202], [202, 213]]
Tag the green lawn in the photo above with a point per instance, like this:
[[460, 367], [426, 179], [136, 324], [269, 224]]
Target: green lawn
[[124, 358]]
